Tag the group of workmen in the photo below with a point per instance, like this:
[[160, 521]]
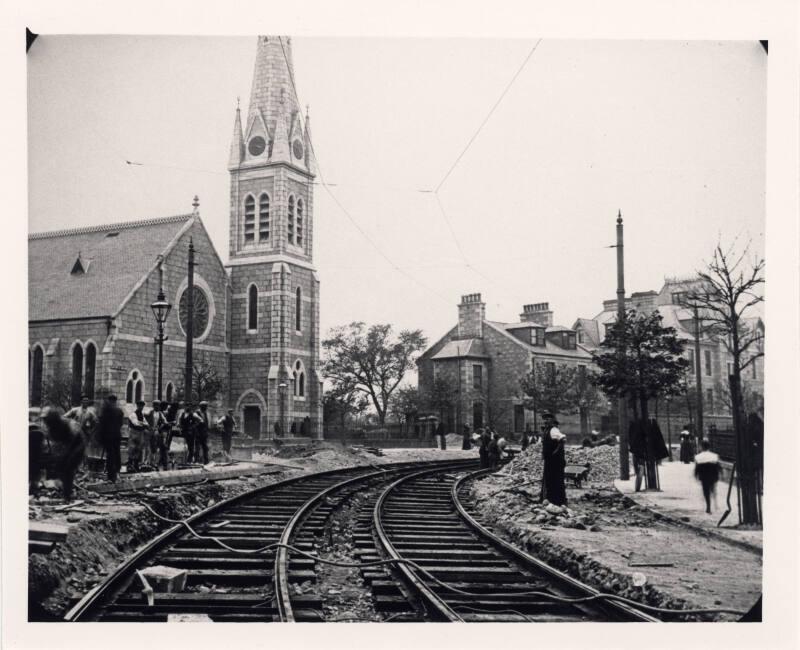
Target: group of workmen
[[81, 432]]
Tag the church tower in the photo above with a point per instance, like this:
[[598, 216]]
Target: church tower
[[275, 383]]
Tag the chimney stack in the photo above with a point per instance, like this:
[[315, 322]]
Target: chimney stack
[[538, 313], [471, 314]]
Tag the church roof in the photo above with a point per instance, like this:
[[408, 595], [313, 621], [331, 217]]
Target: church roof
[[113, 258]]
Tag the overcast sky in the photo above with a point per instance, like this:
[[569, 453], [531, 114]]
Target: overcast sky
[[672, 133]]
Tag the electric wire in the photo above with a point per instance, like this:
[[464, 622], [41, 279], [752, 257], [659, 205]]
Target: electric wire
[[445, 585]]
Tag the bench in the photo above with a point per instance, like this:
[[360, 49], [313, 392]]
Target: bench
[[577, 473]]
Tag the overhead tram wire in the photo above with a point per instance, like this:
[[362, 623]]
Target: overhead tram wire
[[336, 200]]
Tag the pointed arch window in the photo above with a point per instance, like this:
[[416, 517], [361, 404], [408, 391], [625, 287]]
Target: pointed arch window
[[170, 391], [134, 388], [298, 309], [37, 372], [290, 224], [299, 224], [249, 219], [89, 372], [139, 390], [263, 218], [252, 308], [77, 373], [299, 376]]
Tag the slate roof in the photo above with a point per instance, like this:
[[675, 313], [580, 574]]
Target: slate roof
[[549, 347], [462, 348], [113, 265]]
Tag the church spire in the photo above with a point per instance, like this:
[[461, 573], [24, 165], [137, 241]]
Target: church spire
[[237, 143]]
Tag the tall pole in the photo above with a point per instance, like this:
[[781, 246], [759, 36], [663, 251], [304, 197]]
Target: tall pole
[[698, 378], [189, 323], [624, 469], [160, 330]]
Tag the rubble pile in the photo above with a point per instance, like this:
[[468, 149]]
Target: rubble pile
[[604, 462]]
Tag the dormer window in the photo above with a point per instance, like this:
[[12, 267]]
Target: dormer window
[[80, 266], [537, 336], [568, 340]]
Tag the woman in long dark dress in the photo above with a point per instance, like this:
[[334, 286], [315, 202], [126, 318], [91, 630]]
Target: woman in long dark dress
[[554, 463], [687, 453], [466, 438]]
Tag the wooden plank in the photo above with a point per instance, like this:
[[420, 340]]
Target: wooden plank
[[36, 546], [157, 479], [41, 531]]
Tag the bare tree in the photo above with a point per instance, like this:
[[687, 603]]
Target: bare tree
[[57, 390], [726, 290]]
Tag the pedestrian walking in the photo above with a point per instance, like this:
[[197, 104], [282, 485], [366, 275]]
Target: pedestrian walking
[[109, 430], [554, 462], [137, 425], [686, 453], [226, 424], [707, 470], [466, 438], [201, 436], [440, 435], [68, 449], [188, 422]]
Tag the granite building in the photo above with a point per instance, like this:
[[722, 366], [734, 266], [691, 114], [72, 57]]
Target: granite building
[[256, 319]]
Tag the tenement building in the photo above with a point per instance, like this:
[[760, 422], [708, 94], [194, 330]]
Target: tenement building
[[714, 360], [481, 363], [255, 319]]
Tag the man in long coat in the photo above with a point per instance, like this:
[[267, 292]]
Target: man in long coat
[[554, 462], [109, 431]]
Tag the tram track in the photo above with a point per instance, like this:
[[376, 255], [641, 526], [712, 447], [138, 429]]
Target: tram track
[[420, 548]]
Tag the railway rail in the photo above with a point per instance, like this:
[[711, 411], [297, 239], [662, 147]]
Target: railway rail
[[422, 551]]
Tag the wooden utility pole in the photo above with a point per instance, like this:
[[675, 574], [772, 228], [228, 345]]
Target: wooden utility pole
[[189, 324], [624, 468]]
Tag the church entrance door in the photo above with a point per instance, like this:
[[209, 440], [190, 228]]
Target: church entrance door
[[252, 421]]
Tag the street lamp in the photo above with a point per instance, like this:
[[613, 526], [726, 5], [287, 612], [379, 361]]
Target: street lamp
[[161, 309], [282, 391]]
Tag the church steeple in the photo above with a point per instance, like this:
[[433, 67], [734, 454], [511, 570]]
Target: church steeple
[[274, 131]]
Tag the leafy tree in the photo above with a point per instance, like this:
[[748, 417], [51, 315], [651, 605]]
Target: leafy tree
[[372, 360], [552, 387], [207, 382], [342, 401], [405, 404], [651, 367], [57, 390], [442, 396], [726, 290]]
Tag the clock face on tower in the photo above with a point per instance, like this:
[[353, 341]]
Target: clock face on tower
[[256, 146], [200, 312], [297, 149]]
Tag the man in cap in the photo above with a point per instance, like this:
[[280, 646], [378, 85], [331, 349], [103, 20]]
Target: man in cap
[[188, 422], [137, 426], [226, 424], [86, 418], [201, 441], [109, 432], [158, 422]]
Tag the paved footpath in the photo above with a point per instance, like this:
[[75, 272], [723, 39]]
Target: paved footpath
[[681, 498]]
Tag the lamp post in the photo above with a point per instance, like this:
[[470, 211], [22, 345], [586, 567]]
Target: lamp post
[[161, 309], [282, 391], [669, 430]]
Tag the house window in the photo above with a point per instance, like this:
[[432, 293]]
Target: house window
[[290, 225], [691, 360], [708, 361], [252, 308], [571, 341], [537, 336], [249, 220], [263, 218], [710, 400], [298, 309], [37, 372], [88, 375], [565, 340], [679, 298], [299, 233], [477, 377], [77, 373]]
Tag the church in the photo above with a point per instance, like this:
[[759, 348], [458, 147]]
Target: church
[[255, 319]]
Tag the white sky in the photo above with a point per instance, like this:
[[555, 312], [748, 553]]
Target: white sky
[[673, 133]]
